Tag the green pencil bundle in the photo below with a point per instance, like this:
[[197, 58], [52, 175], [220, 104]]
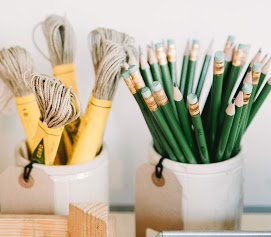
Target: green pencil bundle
[[172, 113]]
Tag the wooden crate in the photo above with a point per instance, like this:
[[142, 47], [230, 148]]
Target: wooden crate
[[84, 220]]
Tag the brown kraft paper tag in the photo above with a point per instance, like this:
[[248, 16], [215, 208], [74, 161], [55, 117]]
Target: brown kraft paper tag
[[157, 203], [19, 197]]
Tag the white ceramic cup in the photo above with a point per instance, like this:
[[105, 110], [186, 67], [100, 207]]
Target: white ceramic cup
[[86, 182], [212, 194]]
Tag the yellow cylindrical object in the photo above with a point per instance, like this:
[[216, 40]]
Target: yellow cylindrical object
[[46, 143], [67, 75], [29, 114], [91, 130]]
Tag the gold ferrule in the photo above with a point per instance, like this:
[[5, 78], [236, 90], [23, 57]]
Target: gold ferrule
[[218, 68], [194, 52], [138, 80], [239, 57], [171, 53], [130, 84], [246, 98], [227, 46], [194, 109], [255, 78], [161, 97], [151, 103], [161, 56]]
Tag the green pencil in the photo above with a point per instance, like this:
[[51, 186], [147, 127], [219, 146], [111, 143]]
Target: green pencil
[[227, 67], [184, 68], [193, 57], [159, 117], [167, 81], [171, 57], [239, 58], [259, 101], [193, 106], [204, 69], [256, 72], [265, 71], [146, 71], [173, 123], [225, 132], [155, 68], [158, 144], [183, 116], [247, 90], [216, 95], [234, 129]]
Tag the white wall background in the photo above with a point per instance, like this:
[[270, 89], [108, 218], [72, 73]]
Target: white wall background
[[126, 133]]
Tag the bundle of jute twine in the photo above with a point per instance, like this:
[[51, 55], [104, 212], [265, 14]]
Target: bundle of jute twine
[[60, 40], [58, 104], [14, 62], [111, 51]]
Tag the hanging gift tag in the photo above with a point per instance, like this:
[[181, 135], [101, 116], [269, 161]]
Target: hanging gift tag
[[158, 202], [20, 197]]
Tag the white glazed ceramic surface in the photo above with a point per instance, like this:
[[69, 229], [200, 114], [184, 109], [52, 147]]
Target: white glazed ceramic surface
[[86, 182], [212, 194]]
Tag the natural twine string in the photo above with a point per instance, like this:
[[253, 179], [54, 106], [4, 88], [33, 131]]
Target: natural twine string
[[58, 104], [60, 39], [14, 63], [111, 51]]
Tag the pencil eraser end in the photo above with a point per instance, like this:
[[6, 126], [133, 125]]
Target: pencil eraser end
[[257, 67], [133, 69], [231, 38], [219, 56], [146, 92], [195, 41], [192, 98], [244, 47], [170, 41], [159, 45], [247, 88], [125, 75], [156, 86]]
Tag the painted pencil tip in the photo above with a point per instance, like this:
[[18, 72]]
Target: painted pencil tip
[[170, 41], [192, 98], [156, 86], [239, 99], [257, 67], [231, 38], [133, 69], [159, 45], [177, 94], [247, 88], [125, 75], [219, 56], [260, 50], [230, 109], [146, 92]]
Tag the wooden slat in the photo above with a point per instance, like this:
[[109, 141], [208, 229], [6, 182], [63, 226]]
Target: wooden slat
[[33, 226], [88, 219]]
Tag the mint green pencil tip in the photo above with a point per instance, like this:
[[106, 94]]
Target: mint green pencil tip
[[192, 98], [125, 75], [146, 92], [247, 88], [159, 45], [231, 38], [195, 41], [219, 56], [170, 41], [133, 69], [244, 47], [156, 86], [257, 67]]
